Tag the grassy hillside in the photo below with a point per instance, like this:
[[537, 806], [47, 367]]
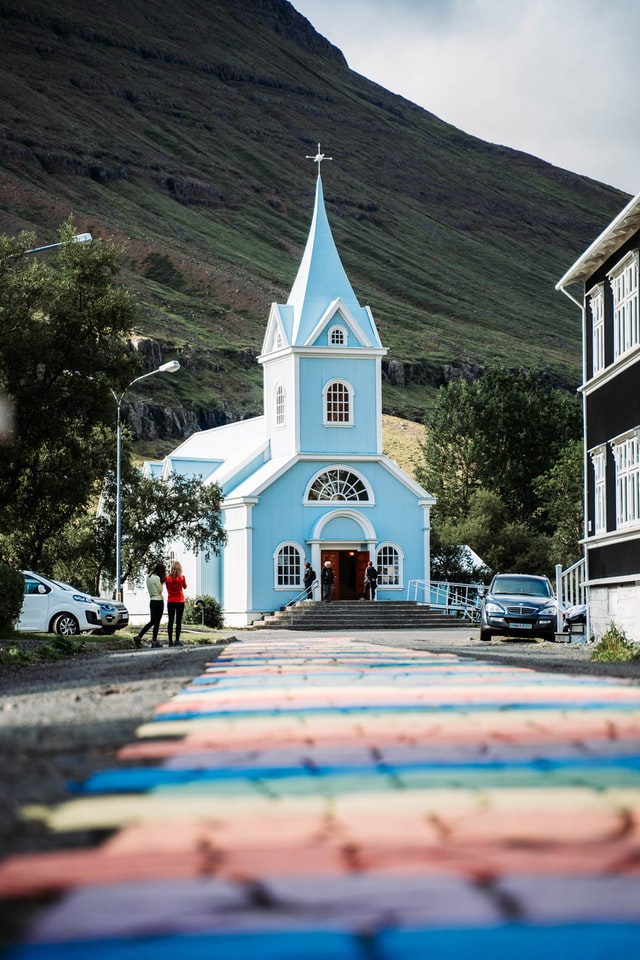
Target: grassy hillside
[[184, 128]]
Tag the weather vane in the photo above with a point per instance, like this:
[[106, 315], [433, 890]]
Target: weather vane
[[319, 157]]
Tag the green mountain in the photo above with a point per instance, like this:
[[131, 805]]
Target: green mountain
[[186, 128]]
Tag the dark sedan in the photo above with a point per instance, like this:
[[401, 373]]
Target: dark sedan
[[518, 605]]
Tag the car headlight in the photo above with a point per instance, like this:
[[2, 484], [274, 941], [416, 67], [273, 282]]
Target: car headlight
[[494, 608], [548, 611], [81, 599]]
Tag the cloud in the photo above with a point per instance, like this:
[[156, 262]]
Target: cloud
[[555, 78]]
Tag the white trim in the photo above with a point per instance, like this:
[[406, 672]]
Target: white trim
[[612, 537], [338, 306], [400, 555], [350, 421], [370, 502], [337, 328], [301, 555], [368, 530], [611, 372]]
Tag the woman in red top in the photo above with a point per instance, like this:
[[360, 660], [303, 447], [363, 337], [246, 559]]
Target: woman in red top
[[175, 584]]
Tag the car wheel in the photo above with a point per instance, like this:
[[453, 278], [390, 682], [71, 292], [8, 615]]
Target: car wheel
[[66, 625], [485, 635]]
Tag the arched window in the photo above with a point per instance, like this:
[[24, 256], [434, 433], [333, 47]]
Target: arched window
[[337, 337], [288, 566], [338, 484], [389, 566], [279, 405], [338, 407]]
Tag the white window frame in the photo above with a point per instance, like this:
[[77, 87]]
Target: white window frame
[[336, 336], [596, 306], [626, 452], [599, 460], [279, 405], [330, 421], [339, 477], [287, 571], [626, 317], [393, 580]]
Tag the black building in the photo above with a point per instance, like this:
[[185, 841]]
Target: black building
[[604, 283]]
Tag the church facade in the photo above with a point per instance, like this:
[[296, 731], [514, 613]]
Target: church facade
[[307, 480]]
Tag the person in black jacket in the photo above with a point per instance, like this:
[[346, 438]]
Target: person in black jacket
[[308, 577], [370, 581], [326, 578]]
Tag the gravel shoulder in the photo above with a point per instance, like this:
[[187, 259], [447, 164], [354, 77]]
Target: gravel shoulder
[[62, 721]]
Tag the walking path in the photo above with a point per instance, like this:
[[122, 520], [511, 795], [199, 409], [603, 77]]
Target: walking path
[[315, 797]]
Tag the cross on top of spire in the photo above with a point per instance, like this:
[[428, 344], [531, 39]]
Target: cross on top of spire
[[319, 157]]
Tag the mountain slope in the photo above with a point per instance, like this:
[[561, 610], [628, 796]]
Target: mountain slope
[[185, 128]]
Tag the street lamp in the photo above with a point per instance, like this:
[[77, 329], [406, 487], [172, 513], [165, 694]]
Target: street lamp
[[78, 238], [169, 367]]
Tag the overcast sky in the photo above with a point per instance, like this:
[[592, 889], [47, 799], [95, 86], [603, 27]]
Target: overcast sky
[[559, 79]]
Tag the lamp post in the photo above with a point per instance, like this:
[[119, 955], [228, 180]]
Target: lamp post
[[169, 367]]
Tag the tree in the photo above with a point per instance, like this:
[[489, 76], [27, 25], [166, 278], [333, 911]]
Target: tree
[[498, 433], [487, 443], [63, 324], [157, 513], [560, 493]]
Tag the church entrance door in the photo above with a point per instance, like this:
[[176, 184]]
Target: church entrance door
[[348, 567]]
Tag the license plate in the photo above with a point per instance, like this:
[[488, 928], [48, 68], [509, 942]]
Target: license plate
[[520, 626]]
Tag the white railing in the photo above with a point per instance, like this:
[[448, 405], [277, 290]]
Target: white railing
[[461, 599], [571, 589]]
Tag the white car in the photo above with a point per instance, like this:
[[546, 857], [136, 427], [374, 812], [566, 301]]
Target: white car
[[52, 607]]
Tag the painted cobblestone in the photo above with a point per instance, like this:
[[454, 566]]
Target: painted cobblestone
[[330, 798]]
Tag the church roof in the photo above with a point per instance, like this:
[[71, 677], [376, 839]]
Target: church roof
[[322, 280]]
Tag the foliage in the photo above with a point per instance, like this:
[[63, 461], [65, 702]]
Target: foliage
[[486, 444], [207, 605], [63, 322], [11, 596], [156, 513], [502, 543], [560, 494], [614, 647]]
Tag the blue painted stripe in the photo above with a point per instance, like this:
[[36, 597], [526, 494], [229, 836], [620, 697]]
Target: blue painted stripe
[[140, 779], [588, 941]]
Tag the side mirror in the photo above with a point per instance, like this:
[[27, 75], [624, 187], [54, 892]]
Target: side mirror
[[482, 591], [41, 588]]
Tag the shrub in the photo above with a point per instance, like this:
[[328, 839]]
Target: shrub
[[11, 596], [614, 647], [194, 609]]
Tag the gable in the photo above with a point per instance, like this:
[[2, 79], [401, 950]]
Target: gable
[[338, 315], [278, 332]]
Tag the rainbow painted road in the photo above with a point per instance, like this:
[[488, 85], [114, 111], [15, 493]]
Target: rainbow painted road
[[332, 798]]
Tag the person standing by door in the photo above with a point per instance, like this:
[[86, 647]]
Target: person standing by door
[[326, 578], [155, 580], [308, 578], [370, 581], [176, 585]]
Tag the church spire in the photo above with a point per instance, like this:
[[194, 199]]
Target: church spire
[[321, 278]]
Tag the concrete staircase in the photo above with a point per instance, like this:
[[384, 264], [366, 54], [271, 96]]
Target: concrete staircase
[[358, 615]]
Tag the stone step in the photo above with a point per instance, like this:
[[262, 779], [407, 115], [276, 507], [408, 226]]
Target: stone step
[[354, 615]]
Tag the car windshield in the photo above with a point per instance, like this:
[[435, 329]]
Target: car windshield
[[526, 586]]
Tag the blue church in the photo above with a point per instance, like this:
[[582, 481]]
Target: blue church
[[307, 480]]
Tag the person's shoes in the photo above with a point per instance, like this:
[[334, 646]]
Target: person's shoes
[[178, 643], [138, 642], [155, 643], [170, 643]]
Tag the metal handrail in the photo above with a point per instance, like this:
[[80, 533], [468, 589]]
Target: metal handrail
[[303, 593], [463, 598]]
